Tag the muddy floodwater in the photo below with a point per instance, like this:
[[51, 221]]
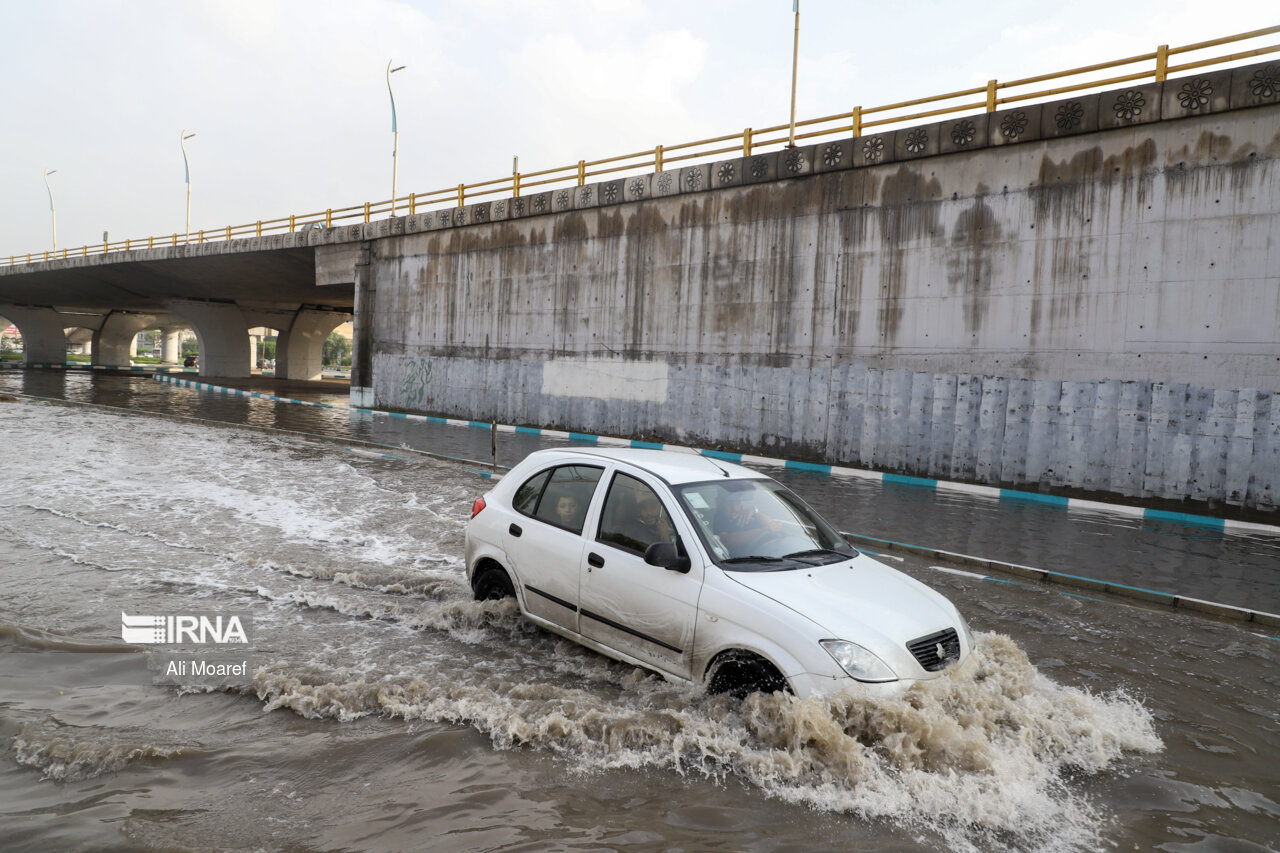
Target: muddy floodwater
[[388, 711]]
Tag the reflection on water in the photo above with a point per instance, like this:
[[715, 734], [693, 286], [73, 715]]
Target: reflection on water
[[1238, 569]]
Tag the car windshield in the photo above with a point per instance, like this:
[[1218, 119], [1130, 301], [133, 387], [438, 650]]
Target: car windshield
[[760, 525]]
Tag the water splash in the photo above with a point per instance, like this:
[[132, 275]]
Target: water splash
[[985, 761]]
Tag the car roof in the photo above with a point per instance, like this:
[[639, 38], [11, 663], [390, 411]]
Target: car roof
[[674, 466]]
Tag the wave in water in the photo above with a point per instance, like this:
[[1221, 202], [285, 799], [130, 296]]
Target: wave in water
[[985, 761]]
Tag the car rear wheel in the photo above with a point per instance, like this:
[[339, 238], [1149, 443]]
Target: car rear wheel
[[739, 673], [491, 583]]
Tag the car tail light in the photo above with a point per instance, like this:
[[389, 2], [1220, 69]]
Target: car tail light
[[477, 506]]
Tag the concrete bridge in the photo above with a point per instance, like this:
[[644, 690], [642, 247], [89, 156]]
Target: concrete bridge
[[220, 290], [1081, 295]]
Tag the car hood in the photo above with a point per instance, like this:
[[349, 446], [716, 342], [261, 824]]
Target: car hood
[[860, 600]]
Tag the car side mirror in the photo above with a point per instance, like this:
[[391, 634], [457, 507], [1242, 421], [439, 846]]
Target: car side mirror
[[665, 555]]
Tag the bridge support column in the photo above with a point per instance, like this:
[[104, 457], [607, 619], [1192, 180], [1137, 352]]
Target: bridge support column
[[362, 338], [223, 335], [43, 338], [300, 348], [116, 340], [171, 348], [80, 340]]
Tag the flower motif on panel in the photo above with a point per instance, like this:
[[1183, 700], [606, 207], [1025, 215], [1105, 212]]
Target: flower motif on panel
[[1195, 93], [1128, 105], [1014, 125], [1265, 82], [1070, 115], [963, 133]]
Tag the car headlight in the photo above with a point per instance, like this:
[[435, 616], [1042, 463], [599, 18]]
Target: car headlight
[[858, 662]]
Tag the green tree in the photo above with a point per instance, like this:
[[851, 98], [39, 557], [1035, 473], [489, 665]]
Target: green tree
[[337, 351]]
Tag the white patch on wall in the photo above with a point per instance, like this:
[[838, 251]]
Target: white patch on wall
[[606, 379]]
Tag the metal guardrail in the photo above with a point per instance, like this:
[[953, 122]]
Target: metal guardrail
[[1160, 63]]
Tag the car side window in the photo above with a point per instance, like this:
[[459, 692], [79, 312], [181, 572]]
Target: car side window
[[634, 517], [566, 496], [526, 499]]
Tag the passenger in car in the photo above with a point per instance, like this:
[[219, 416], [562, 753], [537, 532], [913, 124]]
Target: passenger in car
[[567, 512]]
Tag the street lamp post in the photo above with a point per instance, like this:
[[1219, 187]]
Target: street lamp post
[[186, 166], [52, 211], [795, 63], [395, 135]]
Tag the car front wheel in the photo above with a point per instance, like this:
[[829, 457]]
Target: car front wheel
[[740, 673]]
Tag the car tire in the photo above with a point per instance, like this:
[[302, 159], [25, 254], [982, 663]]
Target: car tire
[[491, 583], [739, 674]]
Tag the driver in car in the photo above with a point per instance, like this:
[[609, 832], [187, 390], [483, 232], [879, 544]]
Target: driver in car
[[739, 524]]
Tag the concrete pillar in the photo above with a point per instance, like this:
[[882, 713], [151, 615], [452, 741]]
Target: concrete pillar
[[300, 348], [254, 341], [43, 338], [222, 332], [362, 340], [80, 339], [116, 341], [171, 349]]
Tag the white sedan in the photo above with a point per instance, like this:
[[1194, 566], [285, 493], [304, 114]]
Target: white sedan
[[703, 571]]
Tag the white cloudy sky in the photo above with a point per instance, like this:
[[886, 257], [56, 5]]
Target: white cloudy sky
[[289, 103]]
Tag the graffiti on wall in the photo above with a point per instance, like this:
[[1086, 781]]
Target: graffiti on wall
[[413, 388]]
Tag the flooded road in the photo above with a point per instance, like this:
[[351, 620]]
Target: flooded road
[[389, 711]]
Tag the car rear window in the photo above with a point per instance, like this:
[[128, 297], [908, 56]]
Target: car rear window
[[559, 496]]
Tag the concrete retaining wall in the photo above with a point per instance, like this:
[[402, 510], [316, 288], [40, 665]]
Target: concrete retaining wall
[[1096, 311]]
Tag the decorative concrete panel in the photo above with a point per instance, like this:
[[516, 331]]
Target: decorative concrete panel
[[479, 213], [638, 187], [611, 192], [795, 162], [1255, 86], [694, 179], [1198, 94], [875, 149], [833, 156], [759, 168], [917, 142], [1020, 124], [584, 197], [562, 199], [726, 173], [962, 134], [1131, 106], [1074, 115], [666, 183], [500, 210]]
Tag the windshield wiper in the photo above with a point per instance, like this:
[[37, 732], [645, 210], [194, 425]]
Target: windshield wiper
[[818, 552], [756, 558]]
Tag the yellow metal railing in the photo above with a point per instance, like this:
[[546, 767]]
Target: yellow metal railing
[[1154, 66]]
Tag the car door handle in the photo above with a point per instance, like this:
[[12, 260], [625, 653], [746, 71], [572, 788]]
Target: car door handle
[[514, 530], [594, 559]]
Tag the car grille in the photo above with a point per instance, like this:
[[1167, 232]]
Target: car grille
[[925, 649]]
